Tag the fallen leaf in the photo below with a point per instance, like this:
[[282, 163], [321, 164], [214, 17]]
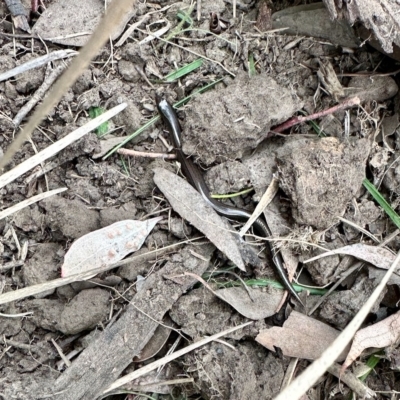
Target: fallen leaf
[[106, 245], [378, 274], [378, 256], [382, 334], [301, 337], [189, 204], [260, 305], [157, 342]]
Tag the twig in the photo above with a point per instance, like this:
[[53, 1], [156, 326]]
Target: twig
[[135, 153], [198, 10], [363, 391], [39, 94], [11, 265], [131, 29], [369, 74], [37, 62], [20, 315], [354, 101]]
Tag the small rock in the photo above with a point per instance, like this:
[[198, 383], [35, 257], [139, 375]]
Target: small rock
[[301, 21], [42, 266], [226, 123], [363, 215], [28, 219], [128, 71], [228, 177], [341, 307], [374, 88], [321, 176], [130, 117], [46, 313], [85, 311], [179, 228], [71, 217], [30, 80], [113, 214]]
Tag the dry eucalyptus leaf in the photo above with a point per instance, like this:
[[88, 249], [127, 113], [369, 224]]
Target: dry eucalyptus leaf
[[329, 79], [189, 204], [301, 336], [106, 245], [380, 257], [157, 342], [260, 305], [382, 334]]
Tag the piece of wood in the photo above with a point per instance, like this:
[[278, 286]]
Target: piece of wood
[[19, 15]]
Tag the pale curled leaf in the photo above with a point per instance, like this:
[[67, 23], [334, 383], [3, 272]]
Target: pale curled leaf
[[157, 342], [301, 336], [382, 334], [261, 304], [189, 204], [378, 256], [106, 245]]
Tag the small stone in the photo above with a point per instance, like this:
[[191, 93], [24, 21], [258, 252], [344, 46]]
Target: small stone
[[85, 311]]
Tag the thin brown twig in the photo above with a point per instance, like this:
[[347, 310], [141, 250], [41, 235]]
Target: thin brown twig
[[354, 101], [369, 74]]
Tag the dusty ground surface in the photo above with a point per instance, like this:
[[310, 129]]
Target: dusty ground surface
[[227, 131]]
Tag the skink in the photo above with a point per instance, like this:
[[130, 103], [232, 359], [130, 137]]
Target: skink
[[196, 179]]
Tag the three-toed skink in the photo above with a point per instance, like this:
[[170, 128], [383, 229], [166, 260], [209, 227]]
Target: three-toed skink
[[196, 179]]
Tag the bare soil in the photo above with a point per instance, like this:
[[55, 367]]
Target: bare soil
[[227, 131]]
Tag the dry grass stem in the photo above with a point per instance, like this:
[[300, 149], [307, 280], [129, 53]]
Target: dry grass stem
[[267, 197], [58, 146], [37, 62], [135, 153], [154, 365], [11, 210]]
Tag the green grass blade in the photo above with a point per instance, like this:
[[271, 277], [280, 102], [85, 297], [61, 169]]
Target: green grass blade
[[187, 69], [315, 126], [252, 66], [185, 17], [103, 128], [372, 362], [230, 195], [382, 202]]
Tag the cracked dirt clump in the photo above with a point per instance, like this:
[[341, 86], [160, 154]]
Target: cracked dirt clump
[[226, 123], [321, 176], [244, 373]]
